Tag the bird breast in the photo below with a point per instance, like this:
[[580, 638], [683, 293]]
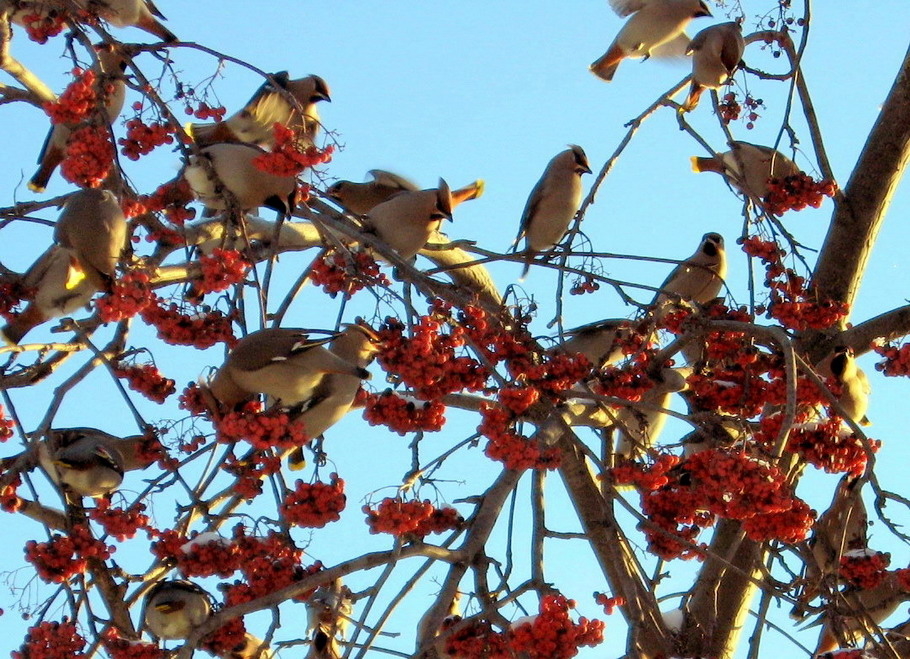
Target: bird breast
[[552, 216], [650, 27]]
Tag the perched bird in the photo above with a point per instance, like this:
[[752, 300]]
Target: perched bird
[[361, 198], [842, 528], [235, 170], [91, 234], [698, 279], [641, 423], [854, 384], [328, 611], [717, 52], [656, 27], [86, 460], [601, 342], [334, 395], [406, 221], [173, 609], [120, 13], [282, 363], [553, 203], [269, 106], [748, 167], [110, 88]]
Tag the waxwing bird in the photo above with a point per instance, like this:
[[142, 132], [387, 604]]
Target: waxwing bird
[[655, 27], [328, 611], [333, 397], [717, 52], [283, 363], [85, 460], [641, 423], [269, 106], [91, 234], [109, 86], [553, 203], [601, 342], [406, 221], [361, 198], [842, 528], [698, 279], [173, 609], [854, 384], [132, 13], [235, 170], [748, 167]]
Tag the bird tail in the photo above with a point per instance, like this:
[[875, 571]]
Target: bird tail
[[527, 266], [695, 92], [605, 66], [700, 165], [51, 158], [468, 192], [21, 325], [296, 459], [153, 26], [205, 134]]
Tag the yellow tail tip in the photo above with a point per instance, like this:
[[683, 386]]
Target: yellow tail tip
[[696, 164], [479, 186], [188, 129], [34, 187]]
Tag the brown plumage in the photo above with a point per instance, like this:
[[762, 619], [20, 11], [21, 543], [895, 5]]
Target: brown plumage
[[698, 279], [173, 609], [841, 366], [269, 106], [406, 221], [601, 342], [748, 167], [361, 198], [716, 52], [142, 14]]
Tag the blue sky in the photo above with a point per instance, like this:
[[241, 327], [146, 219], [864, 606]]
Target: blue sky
[[493, 90]]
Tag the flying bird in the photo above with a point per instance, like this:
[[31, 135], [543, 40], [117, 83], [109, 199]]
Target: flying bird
[[408, 220], [655, 27], [283, 363], [173, 609], [269, 106], [697, 280], [236, 171], [717, 52], [110, 87], [553, 203], [90, 235], [748, 167], [361, 198]]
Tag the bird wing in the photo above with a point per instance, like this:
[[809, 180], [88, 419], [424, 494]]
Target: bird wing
[[731, 53], [627, 7], [390, 180], [530, 210], [155, 11], [265, 95], [273, 345], [678, 46]]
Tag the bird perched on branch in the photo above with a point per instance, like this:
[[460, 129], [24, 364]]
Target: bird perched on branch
[[841, 366], [361, 198], [641, 423], [283, 363], [601, 342], [333, 397], [553, 203], [235, 170], [110, 90], [91, 234], [748, 167], [328, 611], [173, 609], [717, 52], [142, 14], [698, 279], [408, 220], [269, 106], [655, 27]]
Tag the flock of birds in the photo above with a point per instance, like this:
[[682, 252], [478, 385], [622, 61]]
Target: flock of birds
[[318, 378]]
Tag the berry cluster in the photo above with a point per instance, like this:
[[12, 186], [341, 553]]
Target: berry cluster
[[584, 285], [552, 373], [263, 430], [193, 400], [121, 648], [204, 112], [51, 640], [730, 109], [629, 383], [221, 270], [77, 102], [9, 501], [507, 446], [201, 330], [826, 446], [402, 414], [645, 477], [250, 471], [268, 564], [41, 26], [518, 399], [224, 640], [439, 521], [208, 554], [63, 556], [151, 450], [172, 199], [289, 157], [89, 156], [896, 360], [346, 272], [551, 634], [864, 569], [147, 380], [6, 426], [119, 522], [129, 295], [795, 192], [142, 138], [609, 603], [398, 517], [313, 505]]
